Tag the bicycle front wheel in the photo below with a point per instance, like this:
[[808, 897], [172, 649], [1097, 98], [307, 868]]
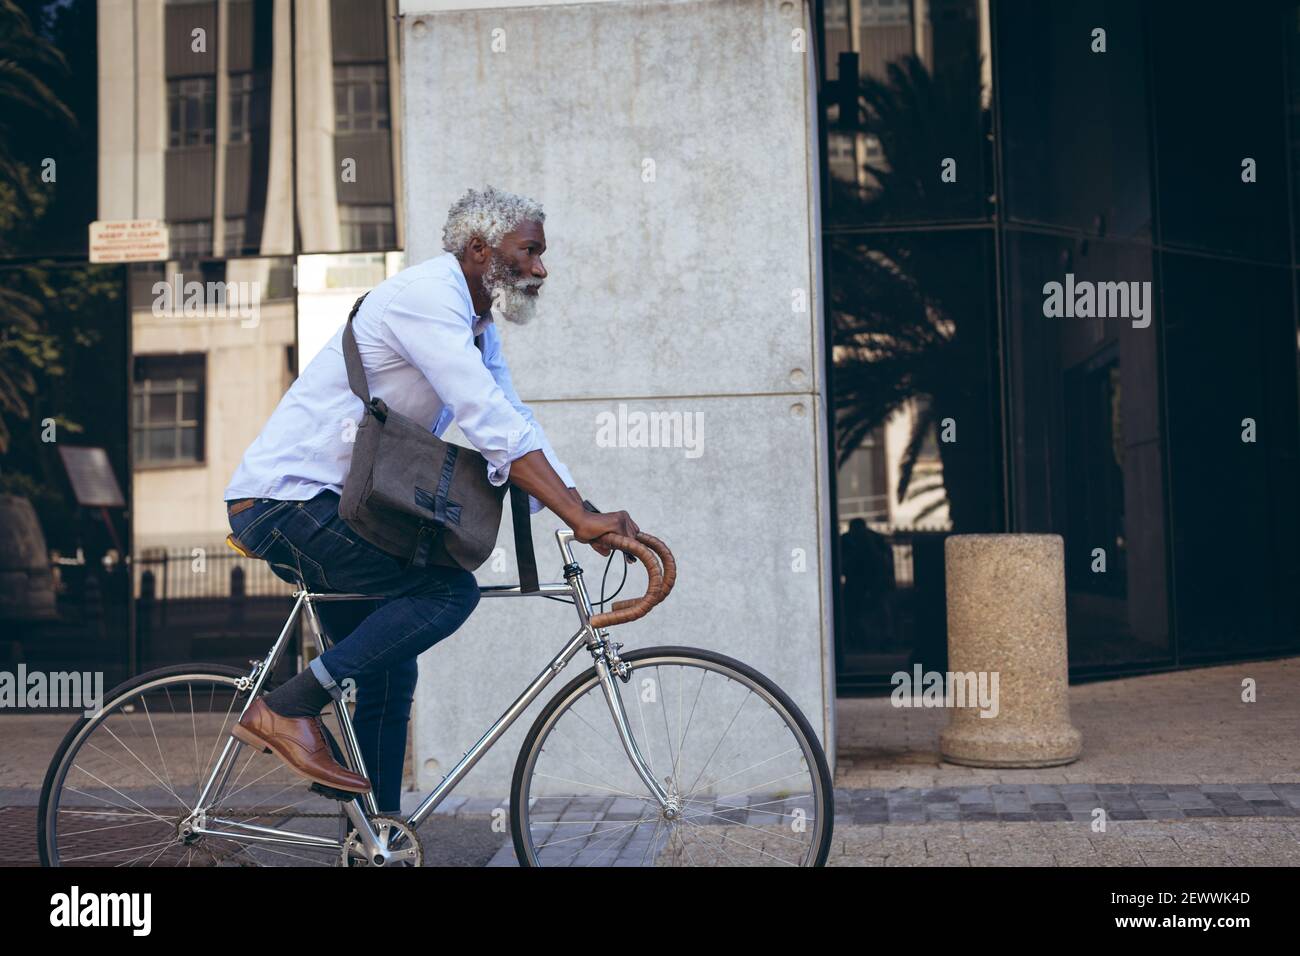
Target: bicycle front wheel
[[746, 775]]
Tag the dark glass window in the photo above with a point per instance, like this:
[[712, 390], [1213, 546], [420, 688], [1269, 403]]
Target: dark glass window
[[1219, 100], [917, 437], [1291, 31], [192, 111], [360, 97], [1086, 448], [1231, 356], [1074, 123], [905, 113], [167, 409], [74, 355]]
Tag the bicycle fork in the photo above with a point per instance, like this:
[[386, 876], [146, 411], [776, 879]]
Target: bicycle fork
[[605, 653], [668, 802]]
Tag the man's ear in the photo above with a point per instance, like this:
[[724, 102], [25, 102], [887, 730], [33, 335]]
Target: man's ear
[[478, 249]]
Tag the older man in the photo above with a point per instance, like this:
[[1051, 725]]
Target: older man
[[416, 333]]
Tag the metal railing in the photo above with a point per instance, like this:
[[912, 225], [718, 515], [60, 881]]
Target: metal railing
[[203, 573]]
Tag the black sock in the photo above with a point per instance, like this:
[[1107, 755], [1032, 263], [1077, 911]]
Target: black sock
[[300, 696]]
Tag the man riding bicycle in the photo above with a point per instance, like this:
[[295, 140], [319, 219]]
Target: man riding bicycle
[[416, 333]]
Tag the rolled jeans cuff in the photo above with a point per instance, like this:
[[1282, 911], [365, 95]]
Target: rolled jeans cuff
[[318, 668]]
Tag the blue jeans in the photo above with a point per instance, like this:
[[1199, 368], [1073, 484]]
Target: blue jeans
[[375, 644]]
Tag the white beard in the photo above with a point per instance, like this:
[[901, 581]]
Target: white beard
[[508, 296]]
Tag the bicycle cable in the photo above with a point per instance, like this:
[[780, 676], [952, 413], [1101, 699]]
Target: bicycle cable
[[603, 579]]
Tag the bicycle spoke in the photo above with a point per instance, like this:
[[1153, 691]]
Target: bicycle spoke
[[91, 856], [144, 702], [745, 845], [752, 766], [714, 752], [115, 793], [702, 825], [165, 786]]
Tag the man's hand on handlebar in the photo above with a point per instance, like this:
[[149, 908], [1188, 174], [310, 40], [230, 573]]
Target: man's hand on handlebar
[[590, 526], [534, 474]]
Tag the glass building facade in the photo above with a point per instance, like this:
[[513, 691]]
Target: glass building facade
[[266, 135], [1143, 157], [972, 153]]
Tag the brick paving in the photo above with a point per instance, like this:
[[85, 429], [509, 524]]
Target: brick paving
[[1196, 843]]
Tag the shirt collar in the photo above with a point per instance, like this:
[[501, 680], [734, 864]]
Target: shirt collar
[[481, 322]]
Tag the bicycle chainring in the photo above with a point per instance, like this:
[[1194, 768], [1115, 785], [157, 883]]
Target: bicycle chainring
[[402, 842]]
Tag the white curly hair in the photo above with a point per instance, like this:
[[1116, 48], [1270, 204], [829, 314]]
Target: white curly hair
[[488, 214]]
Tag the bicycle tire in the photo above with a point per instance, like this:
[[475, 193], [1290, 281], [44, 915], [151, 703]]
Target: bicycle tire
[[582, 682], [46, 831]]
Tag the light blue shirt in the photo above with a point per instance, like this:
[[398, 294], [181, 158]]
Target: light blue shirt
[[415, 332]]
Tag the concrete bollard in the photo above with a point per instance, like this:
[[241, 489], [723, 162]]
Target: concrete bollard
[[1006, 616]]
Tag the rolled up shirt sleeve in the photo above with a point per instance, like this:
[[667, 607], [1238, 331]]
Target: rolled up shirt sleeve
[[495, 361], [423, 325]]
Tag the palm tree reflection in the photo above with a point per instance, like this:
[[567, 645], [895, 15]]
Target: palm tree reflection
[[911, 339]]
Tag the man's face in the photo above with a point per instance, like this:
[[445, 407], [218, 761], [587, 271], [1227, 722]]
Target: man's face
[[515, 273]]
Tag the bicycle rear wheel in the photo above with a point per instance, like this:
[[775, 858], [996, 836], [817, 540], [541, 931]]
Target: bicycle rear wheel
[[748, 775], [122, 786]]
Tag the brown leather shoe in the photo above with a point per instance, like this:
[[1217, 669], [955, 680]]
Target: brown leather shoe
[[299, 742]]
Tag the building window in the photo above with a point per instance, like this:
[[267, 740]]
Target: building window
[[236, 229], [360, 97], [192, 111], [190, 239], [249, 102], [167, 409], [367, 227], [243, 234]]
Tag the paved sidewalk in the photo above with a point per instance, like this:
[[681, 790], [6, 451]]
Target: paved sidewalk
[[1234, 842], [1184, 727], [1182, 772]]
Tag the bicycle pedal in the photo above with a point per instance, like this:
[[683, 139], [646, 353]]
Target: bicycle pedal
[[332, 794]]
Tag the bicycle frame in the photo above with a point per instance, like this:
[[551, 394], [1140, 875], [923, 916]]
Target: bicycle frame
[[596, 640]]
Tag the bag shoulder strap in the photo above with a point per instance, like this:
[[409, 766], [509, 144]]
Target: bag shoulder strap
[[525, 557], [521, 520], [352, 357]]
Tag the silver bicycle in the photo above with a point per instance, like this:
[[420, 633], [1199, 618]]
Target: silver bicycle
[[664, 756]]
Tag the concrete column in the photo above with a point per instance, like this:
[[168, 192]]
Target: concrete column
[[673, 146], [1006, 617], [222, 132], [132, 109], [277, 227], [317, 173]]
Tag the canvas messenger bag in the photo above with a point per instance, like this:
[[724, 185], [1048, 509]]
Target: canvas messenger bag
[[419, 498]]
